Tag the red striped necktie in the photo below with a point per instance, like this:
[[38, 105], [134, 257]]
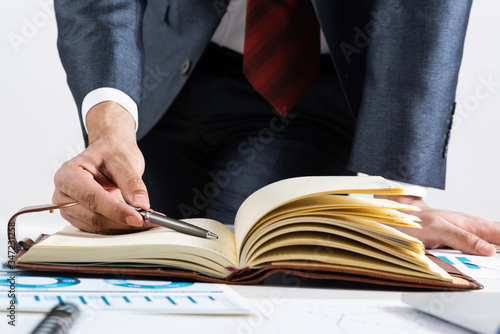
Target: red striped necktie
[[281, 54]]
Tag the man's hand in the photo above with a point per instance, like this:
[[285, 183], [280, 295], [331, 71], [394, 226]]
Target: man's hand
[[460, 231], [108, 171]]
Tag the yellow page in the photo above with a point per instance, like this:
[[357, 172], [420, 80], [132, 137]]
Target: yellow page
[[290, 231], [379, 210], [330, 244], [340, 203], [346, 258], [388, 215], [365, 226], [271, 196]]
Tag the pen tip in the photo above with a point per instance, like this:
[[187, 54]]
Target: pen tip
[[211, 235]]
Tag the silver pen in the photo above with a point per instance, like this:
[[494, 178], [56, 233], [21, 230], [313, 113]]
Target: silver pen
[[174, 224]]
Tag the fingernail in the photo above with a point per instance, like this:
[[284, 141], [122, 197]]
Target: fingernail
[[134, 221], [140, 200], [485, 248]]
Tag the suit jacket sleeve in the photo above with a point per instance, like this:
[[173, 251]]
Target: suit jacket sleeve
[[412, 67], [100, 45]]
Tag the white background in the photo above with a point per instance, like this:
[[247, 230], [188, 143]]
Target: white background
[[39, 127]]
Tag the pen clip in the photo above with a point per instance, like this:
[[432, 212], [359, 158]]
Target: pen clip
[[133, 207]]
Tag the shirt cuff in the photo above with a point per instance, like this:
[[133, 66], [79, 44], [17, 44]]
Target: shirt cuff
[[109, 94], [410, 189]]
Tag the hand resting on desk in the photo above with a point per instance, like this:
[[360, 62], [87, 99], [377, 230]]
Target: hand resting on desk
[[466, 233]]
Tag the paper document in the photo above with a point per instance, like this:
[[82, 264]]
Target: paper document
[[41, 293], [478, 267], [343, 316]]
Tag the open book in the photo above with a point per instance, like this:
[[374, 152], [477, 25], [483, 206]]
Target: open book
[[305, 226]]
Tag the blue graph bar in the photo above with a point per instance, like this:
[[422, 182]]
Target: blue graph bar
[[191, 299], [467, 263], [126, 299], [444, 258], [37, 298], [105, 300], [83, 300], [147, 298], [171, 300]]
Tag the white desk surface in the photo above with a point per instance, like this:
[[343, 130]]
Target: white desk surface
[[281, 309]]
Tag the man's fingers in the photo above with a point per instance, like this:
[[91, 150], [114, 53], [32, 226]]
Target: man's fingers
[[489, 231], [89, 221], [480, 227], [467, 242], [460, 231], [79, 184]]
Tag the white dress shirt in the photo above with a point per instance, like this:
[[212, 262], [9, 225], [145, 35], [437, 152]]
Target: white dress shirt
[[231, 31]]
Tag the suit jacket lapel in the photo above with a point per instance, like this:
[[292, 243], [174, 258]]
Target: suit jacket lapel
[[343, 23]]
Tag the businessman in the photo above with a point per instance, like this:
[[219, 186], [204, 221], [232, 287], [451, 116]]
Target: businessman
[[190, 106]]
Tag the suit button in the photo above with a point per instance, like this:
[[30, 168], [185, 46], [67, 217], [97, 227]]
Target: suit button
[[186, 65]]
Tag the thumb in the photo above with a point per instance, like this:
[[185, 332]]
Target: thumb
[[133, 190]]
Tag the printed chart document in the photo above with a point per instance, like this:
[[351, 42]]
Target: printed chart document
[[41, 293], [478, 267]]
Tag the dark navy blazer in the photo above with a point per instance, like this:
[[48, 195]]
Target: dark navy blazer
[[398, 63]]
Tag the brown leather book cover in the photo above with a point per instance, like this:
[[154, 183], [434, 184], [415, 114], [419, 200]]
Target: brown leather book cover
[[304, 269]]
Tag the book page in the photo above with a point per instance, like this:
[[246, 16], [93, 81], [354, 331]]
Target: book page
[[381, 210], [346, 258], [368, 227], [329, 243], [159, 245], [337, 203], [271, 196], [289, 230]]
